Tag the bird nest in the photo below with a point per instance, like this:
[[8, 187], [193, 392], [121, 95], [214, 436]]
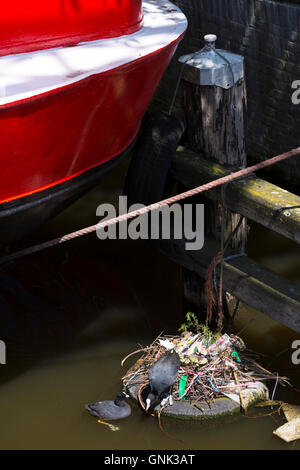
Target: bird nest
[[210, 367]]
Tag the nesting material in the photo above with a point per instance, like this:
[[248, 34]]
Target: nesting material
[[217, 376]]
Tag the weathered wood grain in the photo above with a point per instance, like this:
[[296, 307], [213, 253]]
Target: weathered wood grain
[[216, 121], [252, 197], [245, 279]]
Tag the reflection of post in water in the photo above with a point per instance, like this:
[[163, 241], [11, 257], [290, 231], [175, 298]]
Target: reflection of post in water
[[2, 352]]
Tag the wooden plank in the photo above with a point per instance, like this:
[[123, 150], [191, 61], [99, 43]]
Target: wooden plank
[[252, 197], [245, 279]]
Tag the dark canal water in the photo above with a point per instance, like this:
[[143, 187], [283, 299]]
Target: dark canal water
[[73, 312]]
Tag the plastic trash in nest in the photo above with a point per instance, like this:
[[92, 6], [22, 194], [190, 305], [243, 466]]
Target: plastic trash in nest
[[192, 359], [193, 344], [182, 386], [211, 368], [237, 343], [197, 344], [197, 348], [256, 391], [188, 344], [220, 345], [236, 356], [166, 343]]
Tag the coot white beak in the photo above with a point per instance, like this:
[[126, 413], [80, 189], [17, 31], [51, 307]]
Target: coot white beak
[[148, 404]]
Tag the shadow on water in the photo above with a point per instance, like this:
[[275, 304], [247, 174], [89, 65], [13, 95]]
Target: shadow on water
[[71, 313]]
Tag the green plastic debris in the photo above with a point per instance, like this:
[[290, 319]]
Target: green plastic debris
[[236, 356], [182, 386]]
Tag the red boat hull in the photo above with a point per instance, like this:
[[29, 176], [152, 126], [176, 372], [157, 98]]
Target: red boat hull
[[57, 135], [65, 111], [20, 217], [34, 25]]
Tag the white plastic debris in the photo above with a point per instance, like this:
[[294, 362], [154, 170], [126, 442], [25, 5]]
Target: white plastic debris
[[187, 344], [291, 411], [254, 392], [237, 343], [166, 343], [220, 345], [289, 431], [197, 347], [231, 364]]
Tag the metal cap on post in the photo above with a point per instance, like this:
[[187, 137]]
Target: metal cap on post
[[210, 40], [211, 66]]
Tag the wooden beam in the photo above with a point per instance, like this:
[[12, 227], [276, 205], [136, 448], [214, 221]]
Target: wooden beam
[[245, 279], [252, 197]]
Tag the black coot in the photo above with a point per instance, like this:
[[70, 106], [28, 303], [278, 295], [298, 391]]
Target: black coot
[[162, 375], [109, 409]]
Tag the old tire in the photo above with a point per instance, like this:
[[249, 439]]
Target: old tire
[[148, 171], [220, 408]]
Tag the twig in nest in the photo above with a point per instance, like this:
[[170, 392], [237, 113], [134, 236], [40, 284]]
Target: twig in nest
[[243, 404], [134, 352]]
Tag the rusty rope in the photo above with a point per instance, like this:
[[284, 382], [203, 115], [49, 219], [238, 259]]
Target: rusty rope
[[130, 215]]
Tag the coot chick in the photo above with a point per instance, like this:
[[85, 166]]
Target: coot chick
[[109, 409], [162, 375]]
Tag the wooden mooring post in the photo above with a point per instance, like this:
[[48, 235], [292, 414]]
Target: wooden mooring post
[[214, 99]]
